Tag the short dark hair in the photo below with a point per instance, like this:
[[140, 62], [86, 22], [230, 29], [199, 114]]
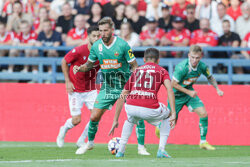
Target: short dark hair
[[221, 3], [151, 54], [190, 6], [226, 21], [91, 29], [133, 6]]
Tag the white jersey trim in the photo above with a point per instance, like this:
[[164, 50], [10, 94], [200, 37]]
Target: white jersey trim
[[175, 79], [91, 60], [108, 47], [131, 60]]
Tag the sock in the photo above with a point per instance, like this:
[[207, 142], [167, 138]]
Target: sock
[[126, 132], [68, 125], [84, 134], [93, 126], [140, 132], [164, 133], [203, 128]]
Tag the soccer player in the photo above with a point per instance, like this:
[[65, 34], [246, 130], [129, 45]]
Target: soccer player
[[115, 56], [80, 87], [140, 93], [185, 75]]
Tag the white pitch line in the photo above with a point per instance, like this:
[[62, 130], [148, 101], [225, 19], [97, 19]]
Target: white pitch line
[[49, 160]]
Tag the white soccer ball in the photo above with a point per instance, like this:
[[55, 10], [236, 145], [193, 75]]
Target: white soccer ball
[[113, 145]]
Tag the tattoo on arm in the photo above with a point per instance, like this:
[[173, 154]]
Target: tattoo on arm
[[87, 66], [134, 65], [213, 82]]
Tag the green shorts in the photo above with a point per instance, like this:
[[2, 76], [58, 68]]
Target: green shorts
[[191, 103], [105, 99]]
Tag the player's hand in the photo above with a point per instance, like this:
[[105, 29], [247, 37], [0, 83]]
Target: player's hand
[[192, 93], [70, 87], [76, 69], [115, 125], [172, 120], [219, 92]]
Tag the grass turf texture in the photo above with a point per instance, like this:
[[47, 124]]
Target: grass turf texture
[[34, 154]]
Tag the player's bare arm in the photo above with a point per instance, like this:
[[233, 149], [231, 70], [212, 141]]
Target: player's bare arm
[[83, 68], [177, 86], [213, 82], [171, 99], [119, 105], [65, 68], [134, 65]]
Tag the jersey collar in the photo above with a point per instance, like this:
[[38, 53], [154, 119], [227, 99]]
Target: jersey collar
[[108, 47]]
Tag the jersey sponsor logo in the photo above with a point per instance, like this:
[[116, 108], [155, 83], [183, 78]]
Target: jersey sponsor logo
[[73, 51], [111, 64], [130, 53], [100, 47], [208, 72], [190, 81], [84, 58], [116, 54]]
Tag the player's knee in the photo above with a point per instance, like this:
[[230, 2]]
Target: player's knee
[[203, 115], [94, 118], [76, 120]]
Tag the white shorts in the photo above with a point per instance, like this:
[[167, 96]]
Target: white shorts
[[77, 99], [152, 116]]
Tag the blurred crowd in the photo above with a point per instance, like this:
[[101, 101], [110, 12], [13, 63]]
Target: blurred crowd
[[139, 22]]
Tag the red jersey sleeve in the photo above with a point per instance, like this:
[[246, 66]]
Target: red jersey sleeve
[[164, 75], [214, 42], [71, 56]]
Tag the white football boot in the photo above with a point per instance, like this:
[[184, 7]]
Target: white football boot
[[143, 151], [84, 148]]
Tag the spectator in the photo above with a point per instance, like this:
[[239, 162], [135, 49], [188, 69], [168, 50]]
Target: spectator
[[46, 3], [109, 8], [178, 36], [135, 19], [66, 21], [7, 7], [128, 35], [179, 8], [119, 14], [165, 22], [16, 17], [234, 11], [96, 13], [216, 23], [191, 23], [246, 43], [82, 7], [26, 37], [141, 6], [229, 39], [152, 36], [154, 9], [78, 35], [243, 22], [6, 38], [43, 15], [50, 38], [32, 7], [206, 9], [204, 36]]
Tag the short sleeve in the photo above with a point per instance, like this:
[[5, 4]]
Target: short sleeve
[[179, 73], [164, 75], [92, 55], [71, 56], [129, 54], [205, 70]]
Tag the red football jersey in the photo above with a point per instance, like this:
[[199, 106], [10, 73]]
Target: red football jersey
[[234, 13], [8, 36], [247, 39], [157, 35], [74, 33], [30, 38], [178, 11], [82, 81], [144, 85], [198, 37], [174, 36], [37, 23]]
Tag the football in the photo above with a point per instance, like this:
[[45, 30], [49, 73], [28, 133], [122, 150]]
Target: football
[[113, 145]]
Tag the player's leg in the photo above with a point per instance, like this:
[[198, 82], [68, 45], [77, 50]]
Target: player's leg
[[89, 100], [140, 133], [75, 106], [197, 106]]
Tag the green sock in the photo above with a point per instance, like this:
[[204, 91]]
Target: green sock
[[93, 126], [140, 132], [203, 127]]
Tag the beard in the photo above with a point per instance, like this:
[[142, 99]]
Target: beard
[[106, 39], [205, 29]]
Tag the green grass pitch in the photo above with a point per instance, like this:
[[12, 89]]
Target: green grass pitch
[[35, 154]]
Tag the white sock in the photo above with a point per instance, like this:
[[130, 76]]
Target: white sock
[[126, 132], [84, 134], [164, 133], [140, 146], [68, 125], [202, 141]]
